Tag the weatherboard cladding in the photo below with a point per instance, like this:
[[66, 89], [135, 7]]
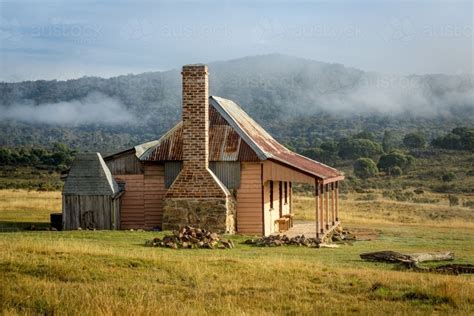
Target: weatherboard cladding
[[89, 175], [235, 136]]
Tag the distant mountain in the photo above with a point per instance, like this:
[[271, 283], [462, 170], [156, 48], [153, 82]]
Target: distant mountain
[[274, 89]]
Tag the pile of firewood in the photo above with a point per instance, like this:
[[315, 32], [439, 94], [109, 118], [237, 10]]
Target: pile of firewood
[[191, 238], [279, 240]]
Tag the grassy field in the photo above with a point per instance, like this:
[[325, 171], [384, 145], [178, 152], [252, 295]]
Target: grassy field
[[98, 272]]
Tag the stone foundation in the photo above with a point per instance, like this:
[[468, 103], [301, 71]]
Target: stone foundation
[[217, 215]]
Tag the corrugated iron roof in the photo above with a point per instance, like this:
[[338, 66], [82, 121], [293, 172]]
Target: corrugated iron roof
[[235, 136], [225, 144], [264, 145]]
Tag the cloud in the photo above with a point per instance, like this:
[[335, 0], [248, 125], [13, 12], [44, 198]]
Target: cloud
[[95, 108], [390, 94]]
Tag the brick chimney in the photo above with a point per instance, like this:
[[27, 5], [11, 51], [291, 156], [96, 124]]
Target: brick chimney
[[197, 197]]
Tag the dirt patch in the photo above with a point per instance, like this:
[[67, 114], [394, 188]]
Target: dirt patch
[[365, 234]]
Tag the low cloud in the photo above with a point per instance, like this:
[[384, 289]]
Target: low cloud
[[95, 108]]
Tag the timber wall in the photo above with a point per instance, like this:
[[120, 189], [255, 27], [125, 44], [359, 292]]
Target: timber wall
[[90, 211], [249, 199], [142, 202]]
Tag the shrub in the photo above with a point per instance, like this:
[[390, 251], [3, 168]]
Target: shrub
[[398, 195], [453, 200], [365, 168], [367, 197], [395, 159], [414, 140], [395, 171], [448, 177], [469, 204], [357, 148]]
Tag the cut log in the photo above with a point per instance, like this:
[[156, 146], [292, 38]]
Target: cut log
[[454, 269], [432, 256], [392, 256], [411, 261]]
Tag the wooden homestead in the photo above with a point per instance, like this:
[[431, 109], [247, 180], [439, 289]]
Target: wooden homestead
[[218, 169], [91, 196]]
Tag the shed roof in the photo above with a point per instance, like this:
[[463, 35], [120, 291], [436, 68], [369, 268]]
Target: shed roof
[[89, 175], [234, 136]]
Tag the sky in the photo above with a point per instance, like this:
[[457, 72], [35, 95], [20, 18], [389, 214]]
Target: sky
[[70, 39]]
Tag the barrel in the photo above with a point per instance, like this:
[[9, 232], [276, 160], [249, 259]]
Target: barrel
[[56, 220]]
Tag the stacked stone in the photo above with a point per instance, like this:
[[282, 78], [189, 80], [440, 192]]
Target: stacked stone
[[191, 238], [343, 235], [279, 240]]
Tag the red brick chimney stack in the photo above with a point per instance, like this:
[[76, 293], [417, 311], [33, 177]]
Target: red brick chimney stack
[[197, 197], [195, 116]]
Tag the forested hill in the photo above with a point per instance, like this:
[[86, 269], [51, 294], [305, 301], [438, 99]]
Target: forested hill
[[301, 101]]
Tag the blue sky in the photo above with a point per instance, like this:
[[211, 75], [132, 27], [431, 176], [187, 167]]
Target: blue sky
[[70, 39]]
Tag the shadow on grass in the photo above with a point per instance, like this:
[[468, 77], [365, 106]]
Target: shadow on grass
[[10, 226]]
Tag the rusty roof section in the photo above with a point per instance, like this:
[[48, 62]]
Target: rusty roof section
[[225, 144], [235, 136], [264, 145]]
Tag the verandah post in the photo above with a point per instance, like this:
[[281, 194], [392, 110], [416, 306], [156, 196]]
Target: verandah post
[[326, 198], [333, 205], [316, 192], [337, 201], [321, 208]]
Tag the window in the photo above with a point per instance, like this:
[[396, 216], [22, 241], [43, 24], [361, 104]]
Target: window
[[286, 192], [271, 194]]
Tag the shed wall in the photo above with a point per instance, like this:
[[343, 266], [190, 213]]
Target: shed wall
[[90, 211], [249, 199], [132, 201], [154, 193], [142, 202], [124, 164]]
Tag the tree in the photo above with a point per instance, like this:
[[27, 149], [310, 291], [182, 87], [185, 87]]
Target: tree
[[358, 148], [394, 159], [5, 156], [388, 142], [365, 168], [460, 138], [414, 140], [365, 135]]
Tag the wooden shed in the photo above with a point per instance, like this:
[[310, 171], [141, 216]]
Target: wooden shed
[[91, 196]]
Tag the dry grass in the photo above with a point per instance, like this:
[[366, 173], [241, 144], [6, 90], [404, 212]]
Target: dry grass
[[356, 210], [91, 273], [28, 206]]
